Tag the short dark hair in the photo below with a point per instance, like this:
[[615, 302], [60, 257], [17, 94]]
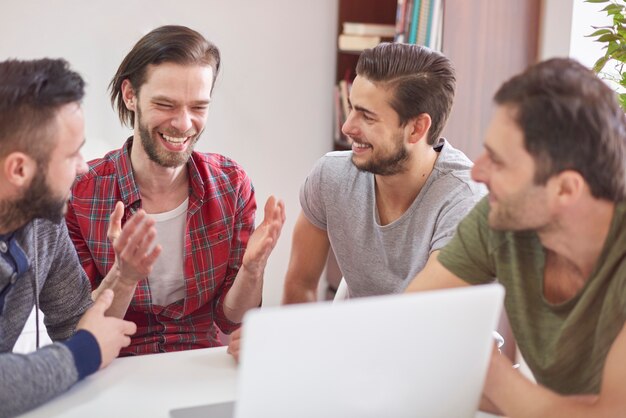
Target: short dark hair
[[423, 81], [31, 92], [571, 120], [175, 44]]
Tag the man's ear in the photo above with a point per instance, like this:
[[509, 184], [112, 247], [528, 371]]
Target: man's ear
[[129, 96], [569, 186], [419, 127], [18, 169]]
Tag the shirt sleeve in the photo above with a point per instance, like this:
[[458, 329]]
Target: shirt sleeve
[[81, 247], [29, 380], [461, 201], [467, 254], [66, 294], [243, 228], [311, 199]]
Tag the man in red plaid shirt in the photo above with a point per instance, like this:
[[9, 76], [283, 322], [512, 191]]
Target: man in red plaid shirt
[[210, 271]]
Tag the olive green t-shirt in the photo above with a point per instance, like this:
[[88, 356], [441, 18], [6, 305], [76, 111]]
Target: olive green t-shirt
[[566, 344]]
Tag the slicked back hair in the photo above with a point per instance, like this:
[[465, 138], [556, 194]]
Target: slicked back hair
[[422, 81]]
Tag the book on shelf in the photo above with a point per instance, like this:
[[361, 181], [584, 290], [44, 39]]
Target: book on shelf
[[415, 15], [369, 29], [400, 20], [339, 118], [420, 22], [342, 110], [344, 95], [356, 43]]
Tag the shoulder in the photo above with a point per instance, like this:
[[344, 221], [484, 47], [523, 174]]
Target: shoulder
[[454, 169], [98, 168], [335, 165], [47, 230], [220, 173], [216, 164]]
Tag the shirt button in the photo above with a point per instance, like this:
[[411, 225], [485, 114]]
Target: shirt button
[[13, 277], [3, 247]]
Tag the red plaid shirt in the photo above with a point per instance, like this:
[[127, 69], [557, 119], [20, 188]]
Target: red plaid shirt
[[220, 219]]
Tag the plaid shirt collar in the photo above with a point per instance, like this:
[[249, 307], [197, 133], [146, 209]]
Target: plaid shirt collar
[[129, 191]]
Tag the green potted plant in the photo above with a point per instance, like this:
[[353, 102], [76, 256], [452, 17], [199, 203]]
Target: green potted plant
[[614, 38]]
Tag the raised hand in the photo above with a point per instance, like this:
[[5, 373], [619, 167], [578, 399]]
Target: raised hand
[[265, 236], [234, 346], [134, 245], [111, 333]]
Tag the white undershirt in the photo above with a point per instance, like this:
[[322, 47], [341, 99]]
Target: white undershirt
[[167, 283]]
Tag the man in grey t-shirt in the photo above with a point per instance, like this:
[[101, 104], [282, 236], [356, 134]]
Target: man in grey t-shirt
[[391, 203], [377, 257]]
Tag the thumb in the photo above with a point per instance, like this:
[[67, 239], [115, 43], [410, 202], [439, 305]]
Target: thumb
[[103, 302], [270, 209], [115, 222]]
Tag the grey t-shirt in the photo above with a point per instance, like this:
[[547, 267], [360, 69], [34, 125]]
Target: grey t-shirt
[[375, 259]]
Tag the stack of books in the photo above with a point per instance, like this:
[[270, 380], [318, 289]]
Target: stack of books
[[359, 36]]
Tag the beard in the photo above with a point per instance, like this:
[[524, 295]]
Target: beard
[[386, 165], [527, 210], [160, 156], [38, 201]]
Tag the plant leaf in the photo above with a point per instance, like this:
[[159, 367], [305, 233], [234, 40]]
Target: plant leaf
[[612, 47], [599, 32], [622, 101], [612, 9], [599, 65], [596, 1], [608, 37]]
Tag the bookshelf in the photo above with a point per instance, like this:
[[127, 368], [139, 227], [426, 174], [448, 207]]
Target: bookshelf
[[487, 41], [358, 11]]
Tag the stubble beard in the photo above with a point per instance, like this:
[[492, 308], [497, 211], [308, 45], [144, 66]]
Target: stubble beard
[[163, 158]]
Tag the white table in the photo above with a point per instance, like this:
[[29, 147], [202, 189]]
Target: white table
[[150, 386]]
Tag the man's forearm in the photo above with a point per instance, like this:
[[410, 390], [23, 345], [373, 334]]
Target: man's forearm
[[123, 293], [246, 293], [298, 293], [518, 397]]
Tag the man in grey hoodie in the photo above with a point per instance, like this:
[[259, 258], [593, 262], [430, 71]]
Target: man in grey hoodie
[[41, 134]]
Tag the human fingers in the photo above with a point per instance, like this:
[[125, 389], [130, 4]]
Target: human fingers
[[103, 302], [115, 222], [149, 259], [135, 241], [126, 233], [127, 327]]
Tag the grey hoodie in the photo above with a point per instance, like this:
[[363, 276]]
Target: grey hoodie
[[57, 284]]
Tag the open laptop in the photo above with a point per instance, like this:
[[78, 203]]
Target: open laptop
[[422, 354]]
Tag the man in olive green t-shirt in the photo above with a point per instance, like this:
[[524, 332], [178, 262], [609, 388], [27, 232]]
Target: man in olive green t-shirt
[[553, 232]]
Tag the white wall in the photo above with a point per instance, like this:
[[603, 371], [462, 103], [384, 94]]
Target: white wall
[[556, 28], [584, 17], [272, 106], [565, 26]]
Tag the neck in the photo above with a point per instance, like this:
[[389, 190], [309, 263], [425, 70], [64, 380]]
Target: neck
[[579, 235], [396, 193], [161, 188]]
